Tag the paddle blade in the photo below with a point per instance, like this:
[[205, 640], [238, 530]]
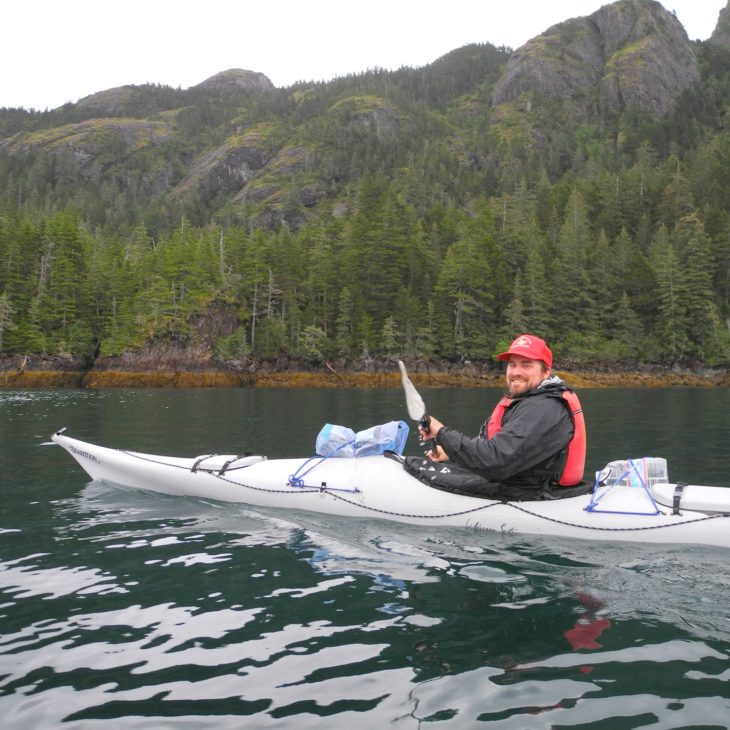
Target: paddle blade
[[414, 403]]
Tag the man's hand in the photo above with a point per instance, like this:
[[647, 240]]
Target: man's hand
[[429, 435], [440, 455]]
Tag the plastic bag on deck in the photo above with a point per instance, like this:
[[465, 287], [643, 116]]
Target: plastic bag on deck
[[342, 441], [389, 436], [335, 440], [644, 471]]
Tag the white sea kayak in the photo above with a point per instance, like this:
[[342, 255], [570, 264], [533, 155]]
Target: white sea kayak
[[379, 487]]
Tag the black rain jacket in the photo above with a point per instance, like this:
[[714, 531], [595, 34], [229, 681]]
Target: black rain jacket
[[526, 457]]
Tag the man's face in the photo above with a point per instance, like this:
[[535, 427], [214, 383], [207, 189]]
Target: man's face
[[524, 374]]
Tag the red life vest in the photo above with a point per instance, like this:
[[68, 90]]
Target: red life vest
[[576, 460]]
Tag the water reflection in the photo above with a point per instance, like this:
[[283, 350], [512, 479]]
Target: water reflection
[[680, 584], [386, 623], [24, 578], [154, 611]]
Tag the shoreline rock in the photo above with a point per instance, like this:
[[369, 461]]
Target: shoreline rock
[[29, 373]]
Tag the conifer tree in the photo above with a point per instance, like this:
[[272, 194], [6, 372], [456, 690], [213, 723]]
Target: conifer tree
[[464, 290], [538, 298], [629, 334], [698, 297], [7, 317], [344, 325], [571, 306], [672, 324]]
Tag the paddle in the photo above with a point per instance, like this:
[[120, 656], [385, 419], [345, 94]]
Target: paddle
[[415, 405]]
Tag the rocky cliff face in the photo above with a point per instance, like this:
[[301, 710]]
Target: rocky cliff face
[[90, 147], [237, 79], [721, 34], [148, 100], [231, 166], [629, 53], [110, 102]]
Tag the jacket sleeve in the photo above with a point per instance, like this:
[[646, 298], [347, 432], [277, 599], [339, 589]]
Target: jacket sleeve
[[537, 429]]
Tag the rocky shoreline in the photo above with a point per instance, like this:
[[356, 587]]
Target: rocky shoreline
[[137, 371]]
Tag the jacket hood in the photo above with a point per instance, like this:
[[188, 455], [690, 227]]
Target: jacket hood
[[551, 381]]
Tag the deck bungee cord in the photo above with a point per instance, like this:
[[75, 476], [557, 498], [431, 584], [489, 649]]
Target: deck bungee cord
[[296, 481]]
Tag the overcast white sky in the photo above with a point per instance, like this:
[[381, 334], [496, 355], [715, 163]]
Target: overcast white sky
[[54, 51]]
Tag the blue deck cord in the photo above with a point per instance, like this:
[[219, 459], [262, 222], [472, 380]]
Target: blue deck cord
[[596, 498], [297, 480]]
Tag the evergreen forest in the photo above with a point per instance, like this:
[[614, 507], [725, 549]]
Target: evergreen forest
[[399, 219]]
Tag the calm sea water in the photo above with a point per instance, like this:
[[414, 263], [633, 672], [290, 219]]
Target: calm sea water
[[144, 611]]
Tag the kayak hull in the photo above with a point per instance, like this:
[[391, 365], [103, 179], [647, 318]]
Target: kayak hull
[[379, 487]]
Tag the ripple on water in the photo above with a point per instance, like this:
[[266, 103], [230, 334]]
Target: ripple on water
[[172, 613]]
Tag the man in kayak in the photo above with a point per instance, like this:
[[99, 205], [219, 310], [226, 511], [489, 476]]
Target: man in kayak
[[533, 445]]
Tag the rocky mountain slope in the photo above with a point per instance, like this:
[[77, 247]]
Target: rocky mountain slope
[[235, 143], [630, 53], [721, 35]]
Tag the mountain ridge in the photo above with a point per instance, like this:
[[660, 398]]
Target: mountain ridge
[[206, 151]]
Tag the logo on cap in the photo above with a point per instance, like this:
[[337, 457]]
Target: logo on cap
[[522, 342]]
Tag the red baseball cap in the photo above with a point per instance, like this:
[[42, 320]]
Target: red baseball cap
[[531, 347]]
